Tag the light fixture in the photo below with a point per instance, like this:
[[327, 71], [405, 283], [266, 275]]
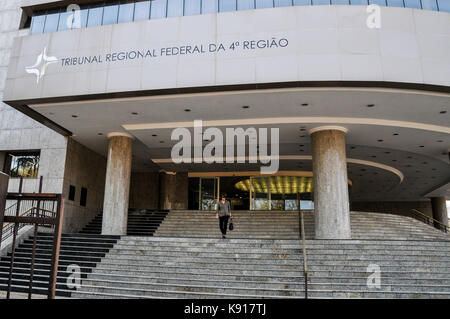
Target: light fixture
[[245, 107], [187, 110], [134, 113], [370, 105], [74, 116]]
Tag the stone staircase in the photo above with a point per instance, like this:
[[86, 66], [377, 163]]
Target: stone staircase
[[261, 258], [140, 223], [285, 225], [151, 267], [84, 250]]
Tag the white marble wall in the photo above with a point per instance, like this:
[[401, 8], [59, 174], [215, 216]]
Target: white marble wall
[[18, 131]]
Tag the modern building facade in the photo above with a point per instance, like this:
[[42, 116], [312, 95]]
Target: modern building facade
[[91, 99]]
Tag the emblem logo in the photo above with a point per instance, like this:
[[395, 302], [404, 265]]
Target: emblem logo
[[42, 62]]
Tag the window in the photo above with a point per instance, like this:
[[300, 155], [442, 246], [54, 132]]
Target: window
[[51, 23], [110, 14], [283, 3], [65, 21], [315, 2], [83, 18], [264, 4], [429, 4], [413, 4], [395, 3], [71, 192], [245, 4], [37, 24], [83, 197], [120, 11], [175, 8], [379, 2], [142, 11], [192, 7], [210, 6], [95, 17], [126, 12], [22, 164], [159, 9], [227, 5], [444, 5], [340, 2]]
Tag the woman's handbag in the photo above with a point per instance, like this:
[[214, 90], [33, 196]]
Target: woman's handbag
[[231, 227]]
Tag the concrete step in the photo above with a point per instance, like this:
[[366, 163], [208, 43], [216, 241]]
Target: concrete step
[[191, 292]]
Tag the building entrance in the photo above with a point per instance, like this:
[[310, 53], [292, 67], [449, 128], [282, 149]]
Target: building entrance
[[246, 192]]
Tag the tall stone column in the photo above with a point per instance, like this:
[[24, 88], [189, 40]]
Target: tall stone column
[[439, 207], [117, 185], [168, 190], [331, 202]]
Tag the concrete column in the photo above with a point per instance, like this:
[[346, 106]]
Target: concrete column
[[439, 207], [168, 190], [117, 185], [331, 202]]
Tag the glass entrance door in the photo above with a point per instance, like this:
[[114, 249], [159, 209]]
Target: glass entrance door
[[209, 193]]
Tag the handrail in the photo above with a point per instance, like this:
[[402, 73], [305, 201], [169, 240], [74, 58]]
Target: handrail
[[7, 233], [305, 268], [302, 238], [25, 212], [429, 218]]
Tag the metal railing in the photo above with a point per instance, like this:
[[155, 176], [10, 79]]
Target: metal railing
[[302, 237], [430, 221], [30, 210]]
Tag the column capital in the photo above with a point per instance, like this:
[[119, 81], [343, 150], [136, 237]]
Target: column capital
[[328, 128], [123, 134]]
